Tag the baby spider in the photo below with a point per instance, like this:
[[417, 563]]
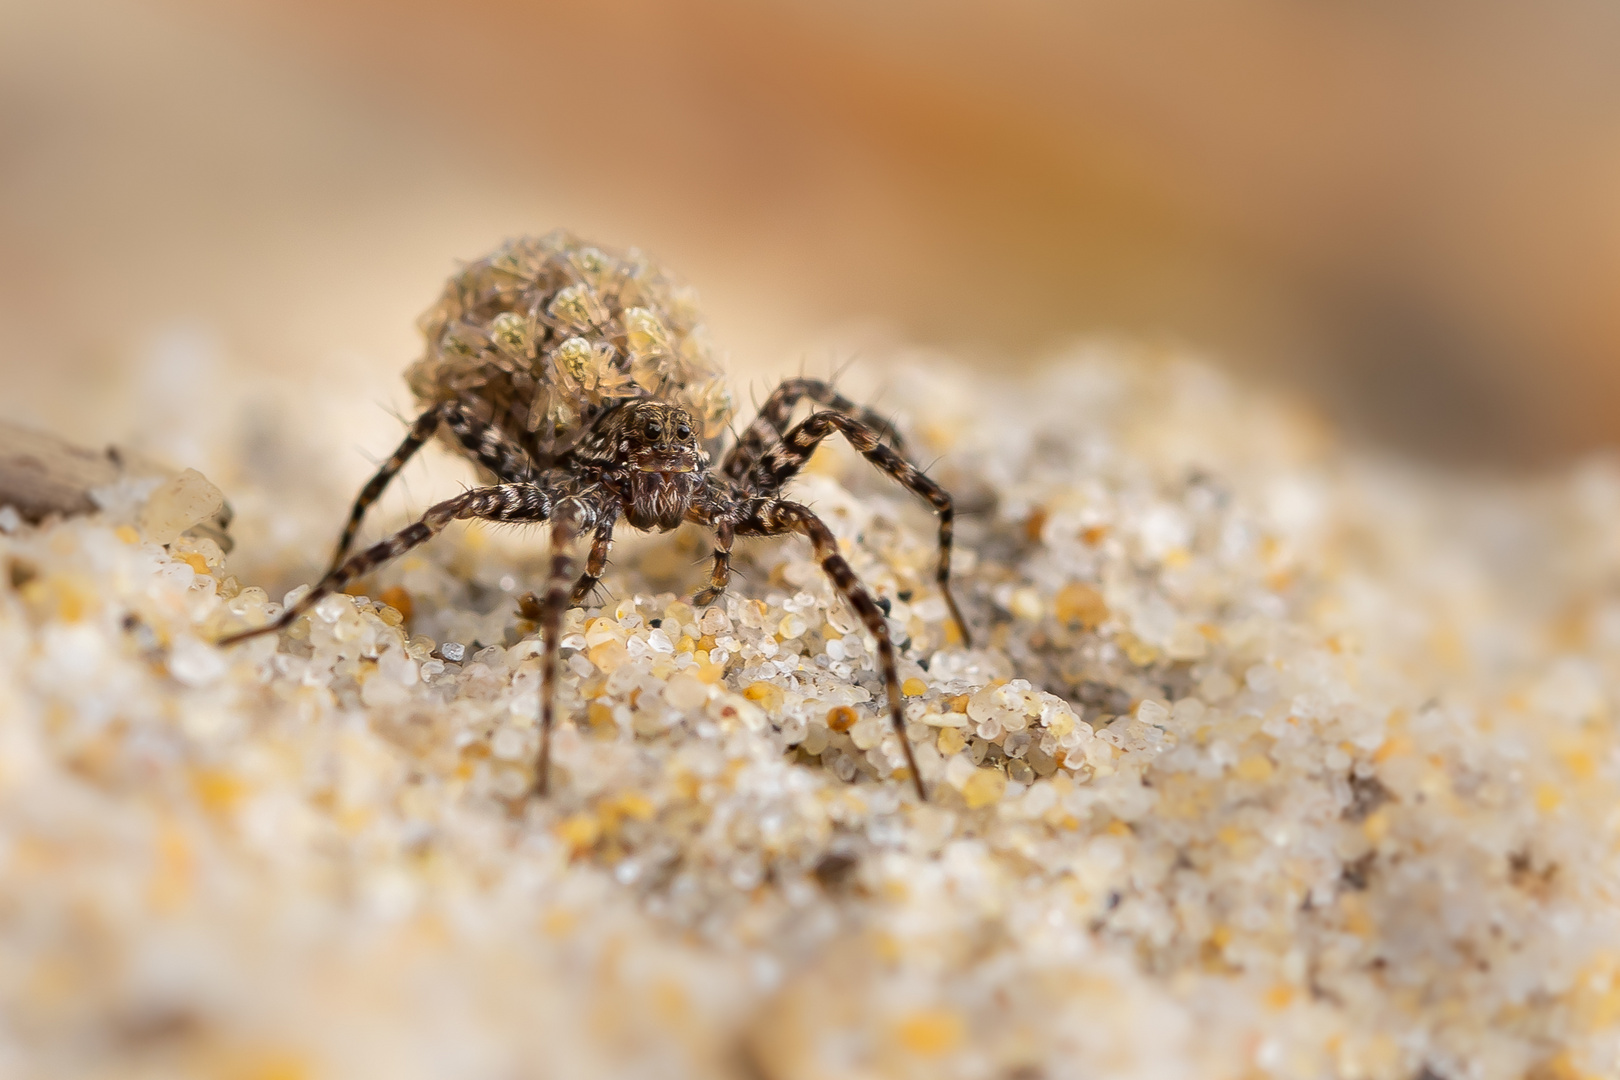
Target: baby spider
[[578, 381]]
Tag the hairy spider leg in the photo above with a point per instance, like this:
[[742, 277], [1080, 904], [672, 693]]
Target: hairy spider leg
[[596, 561], [507, 503], [720, 575], [420, 432], [773, 517], [771, 424], [572, 518], [784, 460], [482, 439], [529, 605]]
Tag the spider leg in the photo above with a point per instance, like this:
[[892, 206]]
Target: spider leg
[[720, 575], [483, 440], [502, 503], [773, 517], [772, 422], [596, 562], [421, 431], [529, 605], [783, 461], [490, 446], [572, 517]]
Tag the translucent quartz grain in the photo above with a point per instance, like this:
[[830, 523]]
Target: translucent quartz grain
[[815, 738], [508, 744], [866, 732], [794, 729], [685, 692], [178, 504]]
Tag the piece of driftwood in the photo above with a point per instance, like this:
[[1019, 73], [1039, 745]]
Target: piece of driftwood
[[42, 474]]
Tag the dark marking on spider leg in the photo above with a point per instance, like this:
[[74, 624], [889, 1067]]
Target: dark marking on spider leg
[[942, 573], [490, 446], [720, 573], [572, 517], [483, 441], [421, 431], [772, 422], [773, 517], [502, 503], [596, 562], [783, 461]]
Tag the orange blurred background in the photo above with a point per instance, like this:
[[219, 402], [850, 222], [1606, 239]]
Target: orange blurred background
[[1410, 212]]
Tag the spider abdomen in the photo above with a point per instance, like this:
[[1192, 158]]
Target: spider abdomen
[[545, 335]]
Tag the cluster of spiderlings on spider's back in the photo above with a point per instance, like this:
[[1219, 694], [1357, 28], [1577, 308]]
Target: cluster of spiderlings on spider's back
[[547, 334]]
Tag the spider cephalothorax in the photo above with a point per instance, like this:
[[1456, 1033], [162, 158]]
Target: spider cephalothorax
[[650, 455], [577, 380]]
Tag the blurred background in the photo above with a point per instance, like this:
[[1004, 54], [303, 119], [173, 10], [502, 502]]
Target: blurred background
[[1408, 212]]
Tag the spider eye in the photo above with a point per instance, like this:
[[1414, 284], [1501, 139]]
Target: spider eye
[[654, 430], [683, 432]]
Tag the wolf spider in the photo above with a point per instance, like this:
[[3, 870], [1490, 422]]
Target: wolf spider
[[642, 460]]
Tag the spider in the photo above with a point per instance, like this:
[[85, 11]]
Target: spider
[[578, 381]]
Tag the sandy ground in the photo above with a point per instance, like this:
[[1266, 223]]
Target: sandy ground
[[1273, 759]]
